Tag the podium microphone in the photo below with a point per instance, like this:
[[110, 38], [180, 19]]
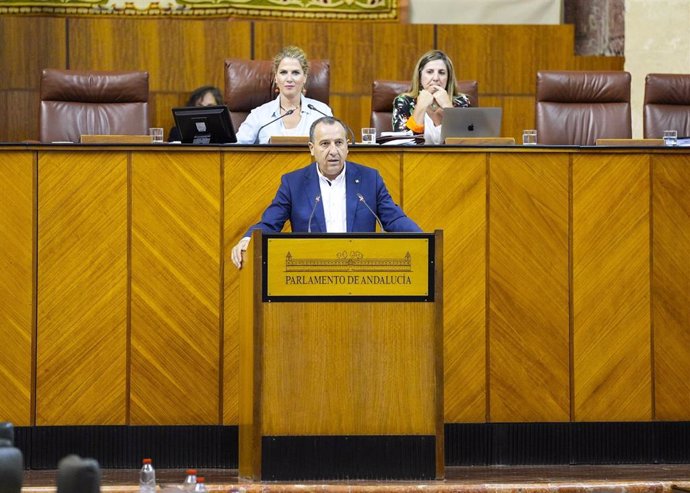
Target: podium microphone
[[313, 210], [288, 112], [361, 199], [349, 130]]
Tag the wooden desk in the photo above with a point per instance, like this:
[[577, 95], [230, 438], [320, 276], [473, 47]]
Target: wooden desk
[[565, 279]]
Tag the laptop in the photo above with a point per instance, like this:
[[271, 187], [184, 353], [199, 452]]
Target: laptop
[[471, 122]]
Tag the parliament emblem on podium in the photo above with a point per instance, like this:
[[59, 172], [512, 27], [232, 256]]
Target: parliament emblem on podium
[[348, 267]]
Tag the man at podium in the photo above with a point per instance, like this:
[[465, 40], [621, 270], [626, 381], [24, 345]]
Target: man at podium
[[330, 195]]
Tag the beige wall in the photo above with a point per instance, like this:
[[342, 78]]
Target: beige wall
[[657, 40], [485, 11]]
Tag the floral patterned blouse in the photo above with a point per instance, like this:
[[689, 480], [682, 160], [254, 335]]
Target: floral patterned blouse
[[403, 107]]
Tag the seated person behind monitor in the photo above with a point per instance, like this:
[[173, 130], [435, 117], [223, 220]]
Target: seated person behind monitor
[[331, 187], [203, 96], [290, 73], [433, 88]]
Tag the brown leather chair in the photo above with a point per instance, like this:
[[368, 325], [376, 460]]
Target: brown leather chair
[[99, 103], [383, 92], [577, 108], [249, 83], [666, 105]]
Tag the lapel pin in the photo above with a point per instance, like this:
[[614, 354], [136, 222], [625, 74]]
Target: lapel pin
[[357, 180]]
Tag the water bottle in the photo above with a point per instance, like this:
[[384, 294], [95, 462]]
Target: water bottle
[[190, 481], [200, 486], [147, 477]]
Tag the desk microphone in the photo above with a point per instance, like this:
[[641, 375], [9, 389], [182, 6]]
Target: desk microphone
[[349, 130], [361, 199], [288, 112], [317, 199]]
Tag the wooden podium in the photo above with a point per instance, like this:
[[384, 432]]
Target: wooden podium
[[341, 357]]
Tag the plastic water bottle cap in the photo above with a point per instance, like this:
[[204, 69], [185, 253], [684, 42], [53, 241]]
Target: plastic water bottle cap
[[191, 471], [146, 461], [200, 479]]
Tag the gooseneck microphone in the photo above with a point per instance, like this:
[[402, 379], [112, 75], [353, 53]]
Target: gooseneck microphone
[[288, 112], [361, 199], [349, 130], [317, 199]]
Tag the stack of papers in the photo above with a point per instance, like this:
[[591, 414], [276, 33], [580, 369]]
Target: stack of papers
[[405, 137]]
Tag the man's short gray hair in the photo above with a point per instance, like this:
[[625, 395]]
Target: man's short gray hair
[[326, 120]]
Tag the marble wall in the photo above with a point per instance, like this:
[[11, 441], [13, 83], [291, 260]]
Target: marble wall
[[599, 26]]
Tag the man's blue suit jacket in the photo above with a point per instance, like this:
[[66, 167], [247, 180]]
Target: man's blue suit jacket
[[299, 189]]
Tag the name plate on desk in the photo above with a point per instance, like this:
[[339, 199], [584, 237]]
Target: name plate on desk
[[348, 267]]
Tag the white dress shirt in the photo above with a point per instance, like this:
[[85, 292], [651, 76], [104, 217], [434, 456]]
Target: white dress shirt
[[333, 200], [432, 133], [247, 133]]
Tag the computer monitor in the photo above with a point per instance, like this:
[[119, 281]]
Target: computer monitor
[[204, 124]]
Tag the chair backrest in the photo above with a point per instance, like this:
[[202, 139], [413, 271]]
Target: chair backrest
[[99, 103], [577, 108], [666, 105], [78, 475], [249, 83], [383, 92], [11, 469]]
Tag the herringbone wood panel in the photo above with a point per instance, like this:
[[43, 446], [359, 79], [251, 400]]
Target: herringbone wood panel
[[611, 288], [251, 181], [16, 285], [82, 288], [670, 286], [528, 288], [448, 191], [175, 324]]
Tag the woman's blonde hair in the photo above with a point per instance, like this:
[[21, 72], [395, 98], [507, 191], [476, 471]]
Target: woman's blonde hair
[[427, 57], [291, 52]]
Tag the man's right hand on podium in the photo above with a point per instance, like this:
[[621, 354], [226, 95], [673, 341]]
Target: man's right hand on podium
[[236, 253]]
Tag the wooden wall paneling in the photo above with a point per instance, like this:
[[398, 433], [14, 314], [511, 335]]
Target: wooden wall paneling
[[4, 122], [251, 180], [355, 111], [176, 54], [29, 44], [518, 115], [16, 285], [175, 288], [460, 210], [82, 288], [20, 110], [529, 288], [470, 49], [109, 43], [670, 294], [396, 49], [554, 49], [611, 287], [512, 72]]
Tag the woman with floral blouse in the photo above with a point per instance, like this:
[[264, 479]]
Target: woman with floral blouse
[[433, 89]]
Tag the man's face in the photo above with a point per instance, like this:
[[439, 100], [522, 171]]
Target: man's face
[[329, 149]]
